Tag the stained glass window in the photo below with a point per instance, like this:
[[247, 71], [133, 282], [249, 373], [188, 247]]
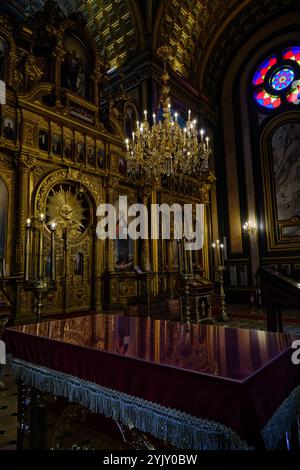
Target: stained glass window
[[277, 79], [267, 100], [293, 53], [282, 78], [262, 70], [294, 95]]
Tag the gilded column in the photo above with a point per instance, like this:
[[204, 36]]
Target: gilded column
[[154, 260], [58, 55], [98, 269], [111, 184], [24, 164], [145, 194], [170, 246], [96, 77], [99, 246]]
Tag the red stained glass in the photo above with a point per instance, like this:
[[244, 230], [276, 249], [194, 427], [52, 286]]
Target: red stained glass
[[262, 70], [293, 53], [266, 100], [294, 95]]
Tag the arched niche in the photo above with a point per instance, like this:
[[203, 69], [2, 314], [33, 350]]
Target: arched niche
[[280, 155], [3, 58]]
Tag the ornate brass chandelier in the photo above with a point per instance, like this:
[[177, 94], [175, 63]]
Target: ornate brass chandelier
[[165, 148]]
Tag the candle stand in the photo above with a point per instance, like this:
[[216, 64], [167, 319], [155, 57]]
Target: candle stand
[[223, 317], [194, 290], [220, 268], [36, 280]]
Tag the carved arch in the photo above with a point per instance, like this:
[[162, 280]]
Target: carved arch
[[92, 184], [6, 34]]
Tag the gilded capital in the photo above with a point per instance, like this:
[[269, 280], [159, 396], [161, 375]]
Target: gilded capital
[[25, 161]]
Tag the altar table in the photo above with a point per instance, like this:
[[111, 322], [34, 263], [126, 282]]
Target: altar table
[[196, 386]]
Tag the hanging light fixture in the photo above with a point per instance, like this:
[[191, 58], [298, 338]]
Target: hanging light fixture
[[165, 148]]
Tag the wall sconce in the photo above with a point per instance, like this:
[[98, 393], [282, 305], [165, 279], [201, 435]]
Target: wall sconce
[[250, 227]]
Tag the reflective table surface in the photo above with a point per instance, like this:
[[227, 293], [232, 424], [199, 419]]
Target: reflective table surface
[[230, 353]]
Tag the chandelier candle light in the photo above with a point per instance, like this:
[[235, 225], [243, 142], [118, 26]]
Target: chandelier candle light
[[250, 227], [165, 148]]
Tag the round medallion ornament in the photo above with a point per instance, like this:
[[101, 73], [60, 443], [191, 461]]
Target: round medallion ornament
[[68, 210], [282, 78]]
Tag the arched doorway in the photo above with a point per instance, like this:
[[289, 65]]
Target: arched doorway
[[71, 205]]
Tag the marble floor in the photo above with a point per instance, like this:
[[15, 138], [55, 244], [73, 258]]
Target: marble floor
[[241, 316]]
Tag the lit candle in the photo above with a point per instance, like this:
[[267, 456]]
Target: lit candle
[[222, 254], [53, 273], [216, 247], [154, 118], [27, 250], [176, 116], [201, 134], [145, 115], [189, 114], [40, 251], [133, 137]]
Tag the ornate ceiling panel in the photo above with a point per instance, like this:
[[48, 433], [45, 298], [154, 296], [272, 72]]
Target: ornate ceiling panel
[[113, 24], [203, 34], [189, 25]]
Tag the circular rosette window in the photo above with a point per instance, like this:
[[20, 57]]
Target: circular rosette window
[[277, 79], [68, 208]]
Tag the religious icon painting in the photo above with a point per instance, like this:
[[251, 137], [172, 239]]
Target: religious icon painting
[[91, 157], [100, 158], [122, 166], [80, 152], [56, 144], [68, 148], [43, 140], [75, 66], [78, 264], [123, 243], [9, 128]]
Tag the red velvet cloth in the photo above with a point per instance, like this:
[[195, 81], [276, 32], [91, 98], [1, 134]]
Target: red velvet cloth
[[244, 377]]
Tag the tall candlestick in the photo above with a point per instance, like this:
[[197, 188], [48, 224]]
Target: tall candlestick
[[222, 254], [217, 250], [53, 273], [179, 252], [184, 257], [27, 251], [40, 251], [191, 261]]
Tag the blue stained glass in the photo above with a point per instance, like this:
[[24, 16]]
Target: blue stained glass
[[282, 78]]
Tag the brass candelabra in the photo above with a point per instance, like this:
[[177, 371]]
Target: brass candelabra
[[220, 268], [36, 279]]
